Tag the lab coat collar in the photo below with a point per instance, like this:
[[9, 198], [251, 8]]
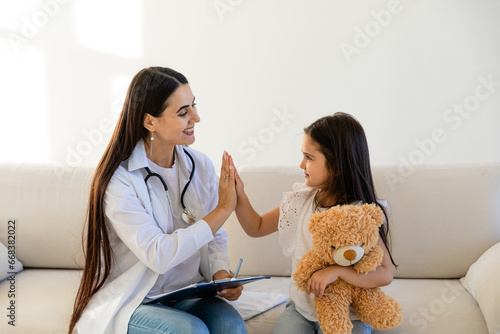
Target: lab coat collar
[[138, 159]]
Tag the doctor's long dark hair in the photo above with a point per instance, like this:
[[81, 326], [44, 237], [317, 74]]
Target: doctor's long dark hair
[[148, 93], [342, 141]]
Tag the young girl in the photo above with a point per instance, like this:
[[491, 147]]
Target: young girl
[[337, 171]]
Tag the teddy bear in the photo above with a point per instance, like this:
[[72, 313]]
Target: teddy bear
[[347, 235]]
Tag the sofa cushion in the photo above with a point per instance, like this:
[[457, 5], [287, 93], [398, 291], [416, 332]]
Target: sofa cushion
[[435, 306], [43, 300], [49, 204], [436, 231], [443, 217], [483, 283], [263, 323], [429, 306]]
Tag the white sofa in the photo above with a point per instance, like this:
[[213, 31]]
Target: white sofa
[[444, 219]]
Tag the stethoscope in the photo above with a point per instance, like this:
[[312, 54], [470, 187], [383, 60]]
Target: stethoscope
[[187, 216]]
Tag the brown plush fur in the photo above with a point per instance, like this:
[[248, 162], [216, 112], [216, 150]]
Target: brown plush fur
[[344, 225]]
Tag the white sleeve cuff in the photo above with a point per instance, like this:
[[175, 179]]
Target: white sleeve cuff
[[202, 233], [219, 265]]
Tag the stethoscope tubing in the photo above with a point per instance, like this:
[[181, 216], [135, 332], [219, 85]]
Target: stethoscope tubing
[[189, 180], [165, 186]]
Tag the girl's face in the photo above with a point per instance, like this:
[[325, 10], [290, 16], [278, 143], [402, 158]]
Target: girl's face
[[176, 124], [313, 163]]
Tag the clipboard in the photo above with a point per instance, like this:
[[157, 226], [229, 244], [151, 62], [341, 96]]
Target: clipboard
[[201, 290]]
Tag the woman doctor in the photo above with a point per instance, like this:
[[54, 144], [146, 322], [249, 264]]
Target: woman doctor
[[144, 240]]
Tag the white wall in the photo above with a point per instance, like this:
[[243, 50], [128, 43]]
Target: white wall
[[260, 70]]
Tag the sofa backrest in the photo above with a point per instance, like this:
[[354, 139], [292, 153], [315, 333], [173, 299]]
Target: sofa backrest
[[443, 217], [49, 205]]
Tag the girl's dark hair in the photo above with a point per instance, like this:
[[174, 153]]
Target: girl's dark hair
[[148, 93], [342, 141]]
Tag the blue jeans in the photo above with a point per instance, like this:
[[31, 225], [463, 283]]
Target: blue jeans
[[291, 321], [205, 315]]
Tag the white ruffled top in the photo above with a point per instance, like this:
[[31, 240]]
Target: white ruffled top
[[296, 208]]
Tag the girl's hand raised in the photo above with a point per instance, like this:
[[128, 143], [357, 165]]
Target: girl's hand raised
[[239, 182]]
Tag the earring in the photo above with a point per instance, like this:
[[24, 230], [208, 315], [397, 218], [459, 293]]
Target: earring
[[151, 144]]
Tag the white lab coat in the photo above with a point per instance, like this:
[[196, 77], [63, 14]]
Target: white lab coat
[[141, 249]]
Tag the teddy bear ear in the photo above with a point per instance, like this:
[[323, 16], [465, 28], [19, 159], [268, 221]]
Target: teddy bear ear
[[375, 213]]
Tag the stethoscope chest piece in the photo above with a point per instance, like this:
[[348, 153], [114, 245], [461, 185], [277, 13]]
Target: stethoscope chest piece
[[188, 217]]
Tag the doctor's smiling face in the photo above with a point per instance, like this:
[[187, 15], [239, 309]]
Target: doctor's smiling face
[[175, 126]]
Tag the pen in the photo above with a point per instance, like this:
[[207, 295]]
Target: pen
[[238, 268]]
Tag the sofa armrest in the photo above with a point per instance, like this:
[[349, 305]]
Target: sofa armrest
[[9, 263], [482, 282]]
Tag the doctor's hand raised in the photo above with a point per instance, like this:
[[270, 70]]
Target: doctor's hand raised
[[227, 196]]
